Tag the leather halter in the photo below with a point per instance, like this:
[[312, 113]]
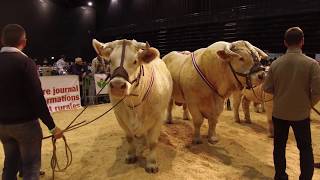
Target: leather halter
[[257, 66], [120, 71]]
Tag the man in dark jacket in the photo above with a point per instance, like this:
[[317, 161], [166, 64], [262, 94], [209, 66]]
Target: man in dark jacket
[[22, 103], [294, 81]]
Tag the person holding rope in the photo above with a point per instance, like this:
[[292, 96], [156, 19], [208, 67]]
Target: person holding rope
[[22, 103], [294, 81]]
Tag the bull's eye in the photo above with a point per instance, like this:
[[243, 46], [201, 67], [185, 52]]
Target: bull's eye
[[241, 59], [135, 62]]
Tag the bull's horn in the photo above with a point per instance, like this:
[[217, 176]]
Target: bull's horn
[[262, 54], [147, 45], [228, 50]]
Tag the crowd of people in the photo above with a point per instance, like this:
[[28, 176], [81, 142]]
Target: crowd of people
[[78, 67]]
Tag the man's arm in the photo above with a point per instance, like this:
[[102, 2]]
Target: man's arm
[[35, 94], [315, 84], [268, 85]]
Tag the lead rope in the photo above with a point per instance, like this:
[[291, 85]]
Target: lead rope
[[68, 153]]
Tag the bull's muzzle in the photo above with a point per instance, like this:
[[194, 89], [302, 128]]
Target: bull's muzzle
[[118, 87]]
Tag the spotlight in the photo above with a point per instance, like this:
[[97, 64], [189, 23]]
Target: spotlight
[[90, 3], [52, 57]]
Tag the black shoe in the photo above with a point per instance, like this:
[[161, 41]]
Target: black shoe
[[41, 173]]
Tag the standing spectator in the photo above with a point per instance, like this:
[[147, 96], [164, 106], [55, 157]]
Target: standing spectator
[[99, 65], [23, 102], [294, 80], [79, 68], [62, 65]]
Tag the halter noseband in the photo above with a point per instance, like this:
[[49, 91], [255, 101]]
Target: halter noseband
[[120, 71]]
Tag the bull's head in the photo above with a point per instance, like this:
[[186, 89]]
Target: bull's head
[[244, 61], [126, 63]]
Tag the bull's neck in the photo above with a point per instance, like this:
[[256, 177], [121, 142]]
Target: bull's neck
[[139, 88], [217, 72]]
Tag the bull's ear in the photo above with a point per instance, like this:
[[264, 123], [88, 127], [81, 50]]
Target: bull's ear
[[148, 55], [227, 54], [98, 46], [102, 49], [223, 55]]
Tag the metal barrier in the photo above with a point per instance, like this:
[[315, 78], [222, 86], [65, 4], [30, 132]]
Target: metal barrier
[[88, 94]]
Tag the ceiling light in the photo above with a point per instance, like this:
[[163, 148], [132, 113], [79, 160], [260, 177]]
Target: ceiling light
[[90, 3]]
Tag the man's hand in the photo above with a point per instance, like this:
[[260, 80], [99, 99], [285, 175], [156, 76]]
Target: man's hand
[[57, 133]]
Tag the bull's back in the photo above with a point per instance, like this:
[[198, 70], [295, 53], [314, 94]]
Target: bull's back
[[175, 62]]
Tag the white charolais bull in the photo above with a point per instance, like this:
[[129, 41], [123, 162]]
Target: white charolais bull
[[256, 95], [222, 65], [139, 75]]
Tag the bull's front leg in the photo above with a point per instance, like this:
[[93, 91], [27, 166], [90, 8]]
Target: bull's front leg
[[256, 107], [169, 114], [246, 110], [236, 99], [185, 112], [131, 156], [152, 141]]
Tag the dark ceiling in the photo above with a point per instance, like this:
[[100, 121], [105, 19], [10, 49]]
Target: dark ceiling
[[73, 3]]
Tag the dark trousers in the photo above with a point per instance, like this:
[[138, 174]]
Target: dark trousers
[[302, 134], [21, 141]]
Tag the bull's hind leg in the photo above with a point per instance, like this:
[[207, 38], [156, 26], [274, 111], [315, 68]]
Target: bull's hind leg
[[152, 141], [185, 112], [197, 119], [169, 114], [131, 156]]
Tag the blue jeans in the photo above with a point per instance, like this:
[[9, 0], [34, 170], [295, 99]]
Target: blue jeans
[[21, 140]]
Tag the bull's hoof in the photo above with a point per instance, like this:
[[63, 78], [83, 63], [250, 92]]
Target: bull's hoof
[[213, 140], [237, 121], [186, 118], [169, 122], [196, 141], [248, 121], [131, 159], [152, 168]]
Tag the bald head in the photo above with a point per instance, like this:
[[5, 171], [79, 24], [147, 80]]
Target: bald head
[[294, 37]]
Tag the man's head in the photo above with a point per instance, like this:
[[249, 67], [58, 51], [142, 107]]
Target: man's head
[[14, 35], [294, 37], [78, 61]]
